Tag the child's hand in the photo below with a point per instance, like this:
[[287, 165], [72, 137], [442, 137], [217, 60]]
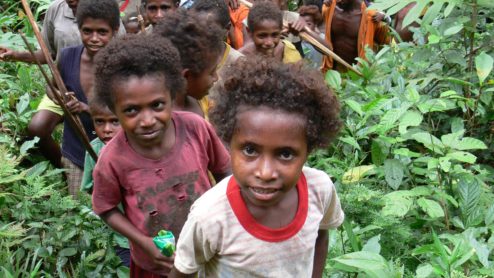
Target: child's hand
[[159, 260], [232, 4], [378, 17], [6, 54], [74, 105], [297, 26], [328, 2]]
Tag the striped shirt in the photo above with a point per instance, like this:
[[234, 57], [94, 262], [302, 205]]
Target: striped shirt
[[221, 239]]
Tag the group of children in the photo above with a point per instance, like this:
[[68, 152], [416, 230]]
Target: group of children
[[141, 100]]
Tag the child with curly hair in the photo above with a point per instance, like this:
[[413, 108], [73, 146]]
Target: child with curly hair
[[270, 219], [313, 18], [158, 165], [200, 44], [265, 24]]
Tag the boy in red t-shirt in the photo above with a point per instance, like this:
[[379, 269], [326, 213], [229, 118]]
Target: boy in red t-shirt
[[157, 166]]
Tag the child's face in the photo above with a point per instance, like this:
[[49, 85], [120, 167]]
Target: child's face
[[268, 151], [266, 36], [156, 9], [198, 85], [105, 123], [143, 106], [309, 21], [132, 27], [95, 34]]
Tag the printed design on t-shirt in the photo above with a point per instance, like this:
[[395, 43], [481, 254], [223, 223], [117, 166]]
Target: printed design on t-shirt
[[166, 205]]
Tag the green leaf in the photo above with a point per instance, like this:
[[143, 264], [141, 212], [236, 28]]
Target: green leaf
[[436, 105], [486, 3], [469, 192], [489, 215], [123, 272], [355, 106], [453, 30], [469, 143], [372, 245], [462, 156], [397, 203], [432, 208], [372, 264], [393, 173], [357, 173], [457, 125], [483, 64], [424, 271], [351, 141], [430, 141], [22, 104], [377, 153], [67, 252], [28, 145], [411, 118], [333, 78]]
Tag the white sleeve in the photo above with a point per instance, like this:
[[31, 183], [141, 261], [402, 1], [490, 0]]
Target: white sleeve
[[194, 246]]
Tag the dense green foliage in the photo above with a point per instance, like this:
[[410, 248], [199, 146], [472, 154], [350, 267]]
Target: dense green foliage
[[413, 164]]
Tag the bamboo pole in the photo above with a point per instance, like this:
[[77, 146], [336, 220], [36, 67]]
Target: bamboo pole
[[74, 122], [308, 35]]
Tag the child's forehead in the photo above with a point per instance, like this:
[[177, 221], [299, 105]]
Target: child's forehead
[[266, 23], [159, 2], [101, 111], [95, 23]]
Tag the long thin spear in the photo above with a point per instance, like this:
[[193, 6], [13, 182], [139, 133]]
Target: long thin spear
[[309, 36], [74, 122], [140, 19]]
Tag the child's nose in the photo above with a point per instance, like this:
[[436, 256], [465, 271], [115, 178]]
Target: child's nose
[[160, 13], [147, 119], [266, 170]]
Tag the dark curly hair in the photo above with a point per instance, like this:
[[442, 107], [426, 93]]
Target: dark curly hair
[[313, 11], [137, 55], [218, 7], [317, 3], [145, 2], [196, 40], [106, 10], [264, 10], [292, 88]]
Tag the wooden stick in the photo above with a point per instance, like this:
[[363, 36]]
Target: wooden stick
[[310, 37], [74, 122], [140, 19]]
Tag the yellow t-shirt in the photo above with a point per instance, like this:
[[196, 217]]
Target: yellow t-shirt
[[290, 53]]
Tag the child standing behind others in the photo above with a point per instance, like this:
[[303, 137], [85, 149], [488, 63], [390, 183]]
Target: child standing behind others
[[313, 18], [106, 126], [271, 218], [158, 165]]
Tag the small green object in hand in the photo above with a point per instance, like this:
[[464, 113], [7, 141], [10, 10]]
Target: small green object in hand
[[165, 241]]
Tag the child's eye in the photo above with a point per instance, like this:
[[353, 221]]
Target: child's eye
[[158, 105], [286, 155], [115, 122], [249, 151], [130, 111], [98, 122]]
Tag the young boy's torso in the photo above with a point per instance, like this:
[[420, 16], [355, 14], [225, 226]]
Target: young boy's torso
[[226, 241], [157, 194]]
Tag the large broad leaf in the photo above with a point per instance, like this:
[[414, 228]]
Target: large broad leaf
[[351, 141], [432, 208], [462, 156], [430, 141], [397, 203], [411, 118], [469, 191], [372, 245], [333, 78], [483, 64], [469, 143], [357, 173], [28, 145], [393, 173], [378, 153], [372, 264]]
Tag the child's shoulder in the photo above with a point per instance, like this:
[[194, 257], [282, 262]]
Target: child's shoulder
[[191, 121], [317, 179], [213, 203]]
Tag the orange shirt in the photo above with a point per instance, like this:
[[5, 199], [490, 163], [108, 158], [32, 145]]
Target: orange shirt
[[370, 34], [237, 17]]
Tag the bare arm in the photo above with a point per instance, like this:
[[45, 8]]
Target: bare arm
[[118, 222], [7, 54], [320, 254]]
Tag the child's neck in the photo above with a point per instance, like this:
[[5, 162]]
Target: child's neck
[[183, 102]]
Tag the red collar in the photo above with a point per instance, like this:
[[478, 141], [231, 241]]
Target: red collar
[[262, 232]]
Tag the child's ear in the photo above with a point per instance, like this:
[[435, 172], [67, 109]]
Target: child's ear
[[186, 73]]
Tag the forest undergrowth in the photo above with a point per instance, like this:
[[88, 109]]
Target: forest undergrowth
[[413, 165]]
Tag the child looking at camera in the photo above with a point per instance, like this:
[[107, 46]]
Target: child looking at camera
[[265, 23], [106, 125], [157, 166], [271, 218]]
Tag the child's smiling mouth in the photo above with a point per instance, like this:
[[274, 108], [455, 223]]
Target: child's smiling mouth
[[263, 194]]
